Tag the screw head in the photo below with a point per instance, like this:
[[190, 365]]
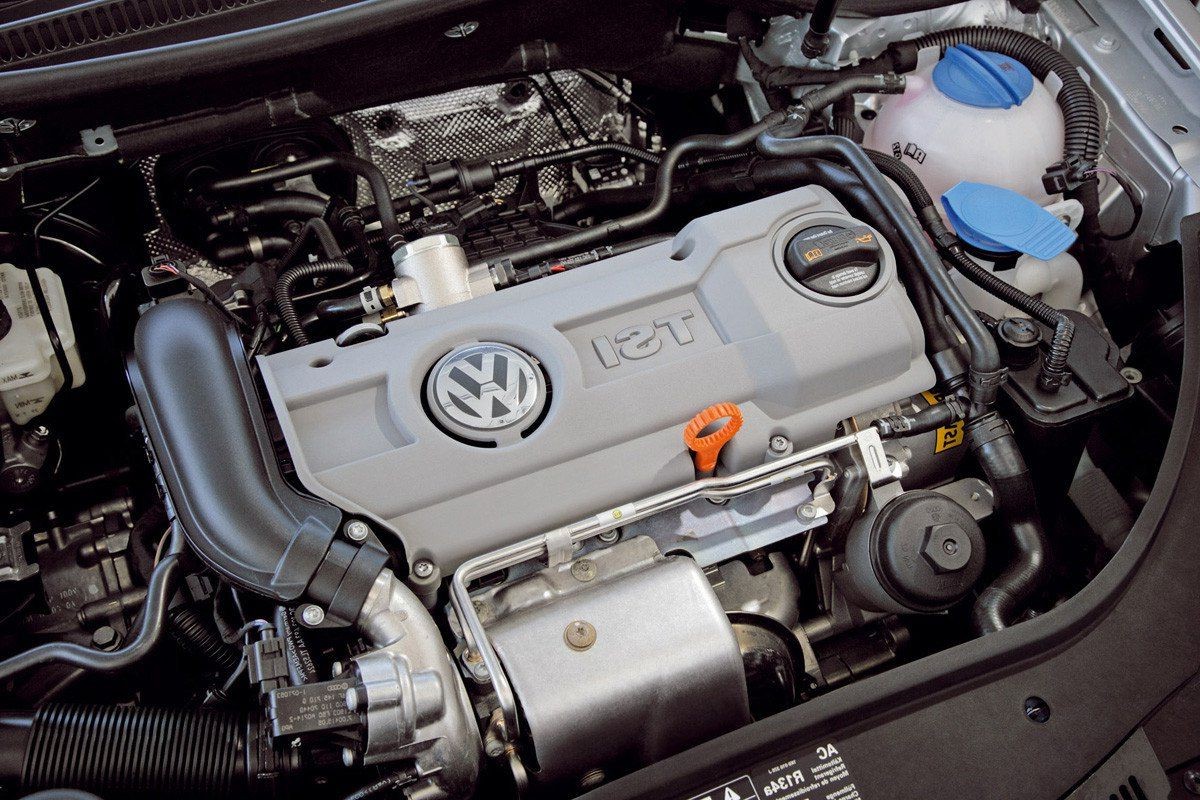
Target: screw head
[[780, 445], [1191, 781], [1107, 43], [1037, 710], [1132, 374], [584, 570], [348, 756], [462, 30], [312, 616], [580, 635], [357, 531], [608, 537], [807, 511], [423, 568]]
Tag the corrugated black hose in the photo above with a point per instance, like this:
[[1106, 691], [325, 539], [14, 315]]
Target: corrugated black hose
[[127, 751], [283, 292], [194, 635]]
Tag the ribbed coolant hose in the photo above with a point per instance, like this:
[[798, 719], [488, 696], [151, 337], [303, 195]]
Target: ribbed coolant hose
[[1053, 373], [128, 752]]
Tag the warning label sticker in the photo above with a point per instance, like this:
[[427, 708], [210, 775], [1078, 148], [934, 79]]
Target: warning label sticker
[[817, 774]]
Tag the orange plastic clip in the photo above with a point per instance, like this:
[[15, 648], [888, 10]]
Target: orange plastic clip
[[706, 448]]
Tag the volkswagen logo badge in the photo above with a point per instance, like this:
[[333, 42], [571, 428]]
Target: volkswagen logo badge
[[486, 393]]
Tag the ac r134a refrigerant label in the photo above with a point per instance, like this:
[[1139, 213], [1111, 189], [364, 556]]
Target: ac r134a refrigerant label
[[817, 774]]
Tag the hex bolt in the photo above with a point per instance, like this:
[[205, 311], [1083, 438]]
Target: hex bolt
[[1037, 710], [312, 616], [105, 637], [357, 531], [348, 756], [584, 570], [423, 568], [609, 537]]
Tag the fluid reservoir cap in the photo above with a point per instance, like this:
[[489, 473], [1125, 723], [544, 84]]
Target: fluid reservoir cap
[[833, 260], [927, 550], [1003, 221], [982, 78]]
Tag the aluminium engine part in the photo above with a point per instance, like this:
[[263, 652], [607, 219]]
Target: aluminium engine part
[[410, 695], [633, 664], [631, 348], [713, 533], [772, 592], [432, 272]]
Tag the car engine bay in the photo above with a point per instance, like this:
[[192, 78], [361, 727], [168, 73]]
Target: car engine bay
[[511, 430]]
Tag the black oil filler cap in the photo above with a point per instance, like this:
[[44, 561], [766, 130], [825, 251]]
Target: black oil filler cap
[[833, 260]]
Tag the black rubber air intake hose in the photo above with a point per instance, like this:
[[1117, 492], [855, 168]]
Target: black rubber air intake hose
[[205, 425], [287, 281], [991, 440], [123, 751], [986, 372], [1053, 372]]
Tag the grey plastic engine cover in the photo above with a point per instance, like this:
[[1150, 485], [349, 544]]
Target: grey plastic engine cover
[[632, 347]]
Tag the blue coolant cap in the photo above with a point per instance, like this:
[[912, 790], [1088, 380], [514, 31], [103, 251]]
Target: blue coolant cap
[[1003, 221], [982, 78]]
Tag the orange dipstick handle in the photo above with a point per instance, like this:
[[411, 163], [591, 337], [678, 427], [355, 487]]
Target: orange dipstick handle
[[706, 448]]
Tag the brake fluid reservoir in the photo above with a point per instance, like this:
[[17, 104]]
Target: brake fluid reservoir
[[29, 371], [972, 116]]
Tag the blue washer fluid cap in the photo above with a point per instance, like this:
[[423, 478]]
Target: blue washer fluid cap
[[1003, 221], [982, 78]]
